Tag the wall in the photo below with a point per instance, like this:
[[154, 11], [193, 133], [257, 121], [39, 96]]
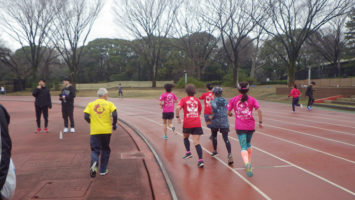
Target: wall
[[332, 82]]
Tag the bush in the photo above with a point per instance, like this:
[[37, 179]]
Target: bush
[[243, 77], [190, 80], [273, 82]]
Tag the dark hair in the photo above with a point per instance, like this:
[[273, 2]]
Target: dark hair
[[243, 89], [209, 86], [190, 90], [66, 79], [42, 80], [295, 85], [313, 83], [217, 91], [168, 87]]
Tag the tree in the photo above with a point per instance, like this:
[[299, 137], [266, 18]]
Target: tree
[[150, 22], [293, 21], [350, 34], [235, 21], [28, 22], [71, 29]]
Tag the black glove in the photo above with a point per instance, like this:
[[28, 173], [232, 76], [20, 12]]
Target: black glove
[[114, 127]]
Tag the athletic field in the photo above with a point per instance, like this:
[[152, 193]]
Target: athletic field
[[302, 155]]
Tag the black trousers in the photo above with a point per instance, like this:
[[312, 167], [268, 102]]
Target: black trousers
[[295, 103], [68, 112], [39, 111], [310, 100]]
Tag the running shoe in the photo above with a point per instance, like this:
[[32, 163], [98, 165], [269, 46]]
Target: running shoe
[[200, 164], [301, 106], [214, 154], [165, 137], [72, 130], [93, 170], [38, 130], [104, 173], [173, 128], [187, 156], [248, 170], [65, 130], [46, 130], [230, 159]]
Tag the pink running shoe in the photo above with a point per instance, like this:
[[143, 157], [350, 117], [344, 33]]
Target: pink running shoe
[[46, 130], [38, 130]]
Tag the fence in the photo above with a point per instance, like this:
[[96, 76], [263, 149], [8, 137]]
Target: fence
[[115, 84], [331, 82]]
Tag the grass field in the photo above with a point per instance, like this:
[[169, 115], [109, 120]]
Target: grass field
[[263, 92]]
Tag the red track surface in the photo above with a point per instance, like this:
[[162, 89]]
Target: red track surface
[[302, 155]]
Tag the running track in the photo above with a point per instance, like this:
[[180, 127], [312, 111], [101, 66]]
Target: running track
[[302, 155]]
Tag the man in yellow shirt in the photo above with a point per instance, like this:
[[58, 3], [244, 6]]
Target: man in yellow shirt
[[98, 114]]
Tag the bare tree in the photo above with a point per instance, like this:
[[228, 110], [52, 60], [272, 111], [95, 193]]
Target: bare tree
[[196, 37], [12, 62], [235, 20], [293, 21], [28, 22], [329, 42], [72, 28], [150, 22]]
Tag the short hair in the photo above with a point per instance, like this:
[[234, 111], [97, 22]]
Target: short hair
[[209, 86], [67, 79], [217, 91], [313, 83], [102, 92], [43, 80], [190, 90], [295, 85], [168, 87]]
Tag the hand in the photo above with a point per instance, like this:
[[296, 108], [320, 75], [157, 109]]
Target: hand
[[230, 114], [114, 127], [260, 125], [39, 87], [63, 97]]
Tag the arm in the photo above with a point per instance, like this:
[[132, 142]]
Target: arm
[[49, 99], [87, 117], [5, 146], [260, 117], [114, 119], [71, 94], [35, 92], [177, 113]]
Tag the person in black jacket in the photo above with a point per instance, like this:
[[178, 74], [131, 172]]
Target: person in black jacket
[[42, 103], [309, 93], [6, 145], [67, 97]]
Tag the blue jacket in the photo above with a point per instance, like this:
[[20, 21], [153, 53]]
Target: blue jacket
[[219, 111]]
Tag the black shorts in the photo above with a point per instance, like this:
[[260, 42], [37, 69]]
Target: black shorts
[[245, 131], [193, 131], [169, 115], [222, 130]]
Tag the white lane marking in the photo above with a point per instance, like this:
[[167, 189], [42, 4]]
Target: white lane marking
[[266, 167], [223, 163]]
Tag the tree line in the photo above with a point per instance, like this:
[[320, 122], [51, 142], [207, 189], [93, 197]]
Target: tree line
[[220, 40]]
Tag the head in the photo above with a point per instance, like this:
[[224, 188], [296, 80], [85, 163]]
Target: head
[[102, 93], [168, 87], [313, 84], [190, 90], [217, 91], [66, 82], [209, 86], [295, 86], [42, 82], [243, 88]]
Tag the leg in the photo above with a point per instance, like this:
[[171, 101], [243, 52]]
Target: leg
[[226, 141], [250, 150], [296, 102], [170, 123], [105, 156], [45, 115], [71, 116], [214, 139], [65, 115], [165, 129], [196, 141], [95, 148], [293, 105], [38, 116], [243, 145], [187, 142]]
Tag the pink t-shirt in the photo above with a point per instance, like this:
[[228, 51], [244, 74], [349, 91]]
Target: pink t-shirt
[[169, 99], [244, 119]]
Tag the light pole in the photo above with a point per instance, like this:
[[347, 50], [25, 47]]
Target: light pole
[[185, 72]]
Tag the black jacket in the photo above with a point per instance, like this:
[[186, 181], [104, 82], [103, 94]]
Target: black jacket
[[309, 91], [43, 97], [6, 145], [69, 93]]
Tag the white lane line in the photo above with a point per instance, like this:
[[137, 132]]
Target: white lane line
[[223, 163], [266, 167], [301, 145], [311, 135], [304, 125]]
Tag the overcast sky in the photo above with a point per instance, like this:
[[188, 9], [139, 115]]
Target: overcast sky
[[104, 27]]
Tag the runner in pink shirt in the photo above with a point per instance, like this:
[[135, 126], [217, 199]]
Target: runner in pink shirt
[[295, 94], [167, 102], [243, 106]]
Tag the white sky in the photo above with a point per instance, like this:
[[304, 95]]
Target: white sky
[[104, 27]]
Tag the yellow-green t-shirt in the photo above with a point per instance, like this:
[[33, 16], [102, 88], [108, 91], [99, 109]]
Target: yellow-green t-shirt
[[100, 116]]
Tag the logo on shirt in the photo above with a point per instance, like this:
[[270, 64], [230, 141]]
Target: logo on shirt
[[209, 98], [169, 100], [242, 110], [99, 109], [192, 108]]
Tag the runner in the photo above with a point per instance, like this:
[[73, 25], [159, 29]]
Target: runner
[[295, 93], [207, 98], [120, 90], [309, 93], [243, 106], [2, 91], [167, 102], [42, 103], [67, 97], [219, 122], [98, 114], [192, 123]]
